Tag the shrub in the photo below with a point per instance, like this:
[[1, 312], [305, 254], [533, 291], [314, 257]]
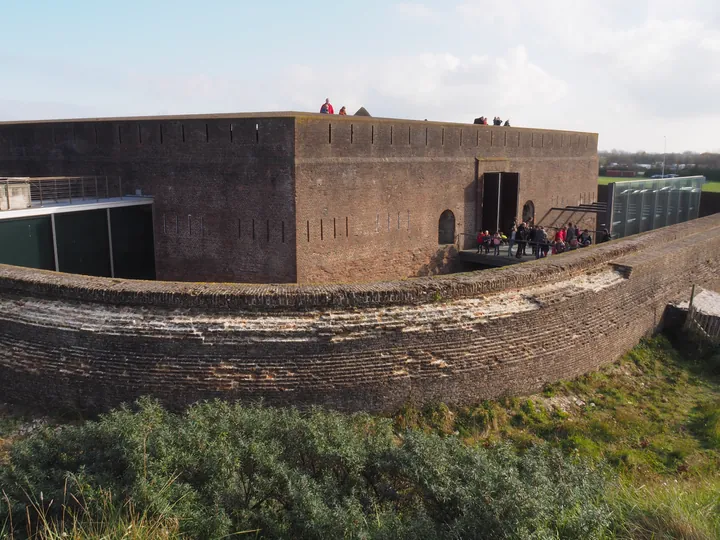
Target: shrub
[[219, 468]]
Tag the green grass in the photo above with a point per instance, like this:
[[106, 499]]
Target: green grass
[[713, 187], [654, 413]]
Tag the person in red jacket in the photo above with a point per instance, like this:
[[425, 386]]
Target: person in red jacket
[[480, 240], [327, 108]]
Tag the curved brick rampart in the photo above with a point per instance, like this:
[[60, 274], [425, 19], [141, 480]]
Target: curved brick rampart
[[93, 343]]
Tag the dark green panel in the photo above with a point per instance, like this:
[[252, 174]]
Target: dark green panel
[[27, 242], [133, 244], [83, 243]]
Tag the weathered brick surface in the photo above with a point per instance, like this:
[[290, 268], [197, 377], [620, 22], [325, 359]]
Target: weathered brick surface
[[223, 185], [307, 198], [93, 343]]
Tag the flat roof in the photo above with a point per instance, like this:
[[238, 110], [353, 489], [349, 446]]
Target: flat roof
[[276, 114], [62, 207]]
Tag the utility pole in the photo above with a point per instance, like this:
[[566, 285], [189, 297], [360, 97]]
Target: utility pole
[[664, 152]]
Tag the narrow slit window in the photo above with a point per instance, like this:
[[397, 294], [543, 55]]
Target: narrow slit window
[[282, 231], [139, 134], [257, 133], [207, 133], [347, 228], [267, 229], [372, 134], [352, 132], [231, 133], [334, 228], [398, 221], [442, 140], [253, 229], [182, 128], [308, 230], [329, 133], [388, 222], [391, 134], [409, 139], [426, 136], [322, 236]]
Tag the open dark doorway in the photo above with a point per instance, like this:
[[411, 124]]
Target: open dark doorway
[[528, 213], [446, 228], [499, 200]]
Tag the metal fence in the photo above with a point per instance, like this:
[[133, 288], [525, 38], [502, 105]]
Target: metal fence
[[67, 189], [702, 325]]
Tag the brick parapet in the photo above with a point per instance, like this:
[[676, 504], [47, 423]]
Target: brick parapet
[[232, 296], [62, 344]]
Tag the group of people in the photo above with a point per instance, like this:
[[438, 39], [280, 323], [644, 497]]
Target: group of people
[[496, 121], [526, 234], [327, 108]]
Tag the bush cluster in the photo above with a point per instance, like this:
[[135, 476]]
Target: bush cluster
[[224, 468]]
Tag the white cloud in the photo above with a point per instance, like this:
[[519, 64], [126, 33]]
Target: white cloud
[[435, 86], [411, 9]]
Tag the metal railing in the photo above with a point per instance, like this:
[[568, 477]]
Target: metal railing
[[67, 189], [704, 326]]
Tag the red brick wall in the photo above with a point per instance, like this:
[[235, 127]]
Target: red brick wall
[[390, 180], [94, 342], [213, 179]]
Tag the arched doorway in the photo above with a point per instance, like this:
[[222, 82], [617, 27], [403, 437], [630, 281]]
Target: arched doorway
[[446, 228], [528, 213]]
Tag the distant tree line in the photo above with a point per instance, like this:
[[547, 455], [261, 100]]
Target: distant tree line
[[684, 164]]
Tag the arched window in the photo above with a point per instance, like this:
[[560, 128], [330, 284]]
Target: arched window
[[446, 228], [528, 212]]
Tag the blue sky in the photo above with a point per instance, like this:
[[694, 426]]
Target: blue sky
[[631, 71]]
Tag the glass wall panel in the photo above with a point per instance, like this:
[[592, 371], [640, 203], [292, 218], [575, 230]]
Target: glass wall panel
[[619, 210], [673, 205], [27, 242], [640, 206], [684, 205], [132, 242], [82, 242]]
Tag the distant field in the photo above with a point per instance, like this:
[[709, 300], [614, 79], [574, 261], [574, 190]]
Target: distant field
[[710, 186]]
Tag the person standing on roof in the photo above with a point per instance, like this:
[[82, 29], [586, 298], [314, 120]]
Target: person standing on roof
[[343, 111], [327, 108]]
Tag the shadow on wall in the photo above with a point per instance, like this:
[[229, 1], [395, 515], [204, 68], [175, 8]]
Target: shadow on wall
[[443, 262]]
